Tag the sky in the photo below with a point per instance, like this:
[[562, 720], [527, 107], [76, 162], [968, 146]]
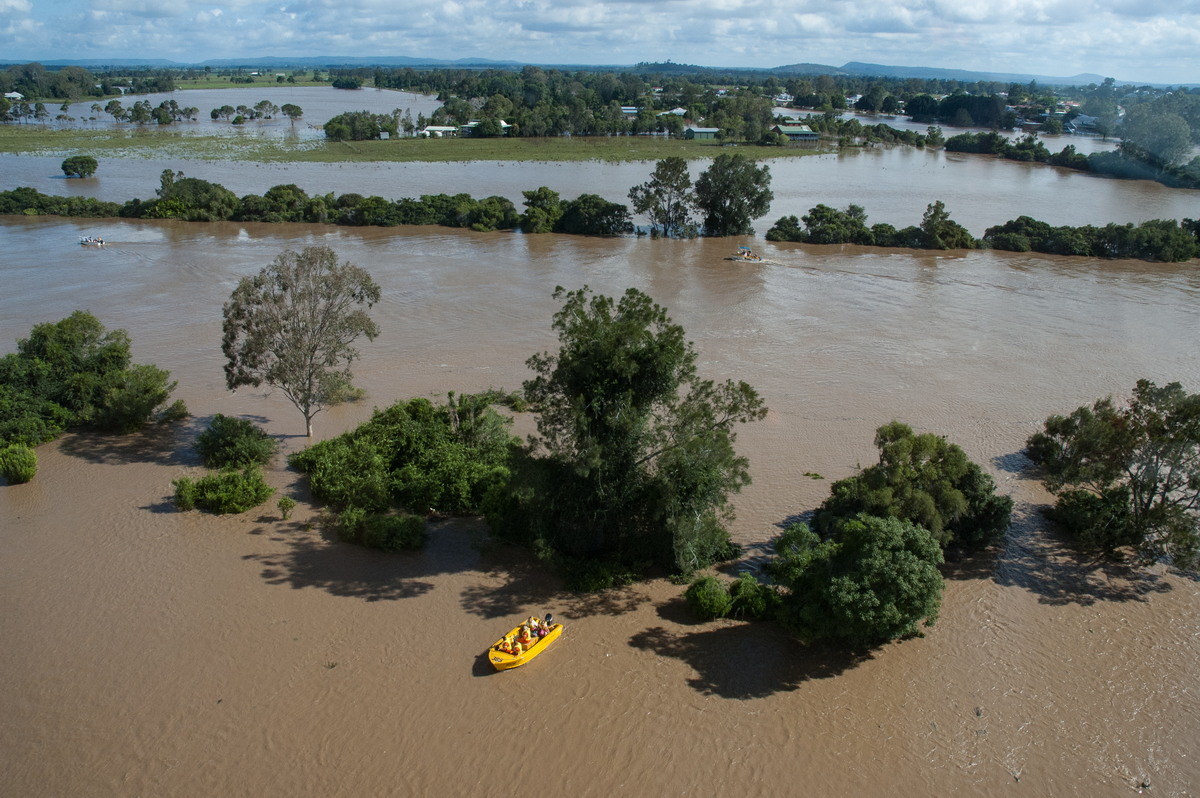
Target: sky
[[1138, 41]]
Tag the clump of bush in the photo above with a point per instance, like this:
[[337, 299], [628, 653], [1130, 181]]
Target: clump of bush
[[746, 597], [234, 442], [708, 598], [383, 531], [224, 492], [18, 463], [415, 454]]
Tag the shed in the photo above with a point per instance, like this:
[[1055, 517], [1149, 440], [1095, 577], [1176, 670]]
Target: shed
[[797, 132], [701, 132]]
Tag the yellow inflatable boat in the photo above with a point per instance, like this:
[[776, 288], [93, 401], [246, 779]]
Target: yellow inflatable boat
[[503, 659]]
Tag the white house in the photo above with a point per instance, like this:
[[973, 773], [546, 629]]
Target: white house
[[14, 95]]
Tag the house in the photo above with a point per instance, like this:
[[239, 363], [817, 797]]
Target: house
[[469, 128], [701, 133], [14, 95], [630, 110], [673, 112], [797, 132], [438, 131]]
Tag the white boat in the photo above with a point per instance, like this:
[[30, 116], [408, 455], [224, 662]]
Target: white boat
[[746, 255], [91, 241]]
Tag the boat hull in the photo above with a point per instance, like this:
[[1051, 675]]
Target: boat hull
[[503, 661]]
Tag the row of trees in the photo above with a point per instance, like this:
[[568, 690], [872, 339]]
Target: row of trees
[[728, 195], [1157, 239]]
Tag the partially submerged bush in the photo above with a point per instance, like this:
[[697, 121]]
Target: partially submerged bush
[[229, 491], [384, 531], [234, 442], [708, 598], [18, 463]]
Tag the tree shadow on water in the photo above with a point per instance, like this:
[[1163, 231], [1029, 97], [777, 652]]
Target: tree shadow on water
[[313, 560], [162, 444], [1036, 557], [529, 583], [749, 660]]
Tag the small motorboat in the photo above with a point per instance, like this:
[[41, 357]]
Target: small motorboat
[[91, 241], [746, 255], [503, 657]]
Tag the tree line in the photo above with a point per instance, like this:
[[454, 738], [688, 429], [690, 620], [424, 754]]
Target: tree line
[[1164, 240]]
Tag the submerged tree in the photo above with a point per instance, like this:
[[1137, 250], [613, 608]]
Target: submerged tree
[[875, 579], [667, 199], [731, 193], [293, 324], [1128, 477], [924, 479], [635, 460]]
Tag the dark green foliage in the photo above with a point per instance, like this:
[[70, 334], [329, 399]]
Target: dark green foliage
[[191, 199], [939, 231], [80, 166], [234, 442], [1156, 239], [286, 505], [708, 598], [74, 373], [592, 215], [635, 462], [18, 463], [30, 202], [385, 530], [875, 579], [543, 209], [1129, 476], [360, 126], [925, 480], [414, 454], [224, 492], [752, 599], [667, 199], [731, 193]]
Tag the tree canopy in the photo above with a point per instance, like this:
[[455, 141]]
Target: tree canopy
[[293, 324], [634, 462], [1128, 477], [875, 579], [731, 193], [74, 373], [926, 480], [666, 199], [79, 165]]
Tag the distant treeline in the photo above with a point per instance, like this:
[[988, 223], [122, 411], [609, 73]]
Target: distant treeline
[[1117, 164], [195, 200], [1157, 239]]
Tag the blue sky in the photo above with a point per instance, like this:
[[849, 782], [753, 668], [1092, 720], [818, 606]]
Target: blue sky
[[1152, 41]]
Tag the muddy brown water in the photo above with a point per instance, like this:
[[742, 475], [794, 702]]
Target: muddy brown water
[[150, 652]]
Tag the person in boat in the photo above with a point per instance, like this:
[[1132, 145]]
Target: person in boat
[[526, 636]]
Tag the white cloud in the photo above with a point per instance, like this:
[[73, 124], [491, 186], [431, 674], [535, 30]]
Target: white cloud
[[1140, 40]]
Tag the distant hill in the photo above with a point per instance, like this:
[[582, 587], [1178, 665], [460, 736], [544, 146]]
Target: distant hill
[[850, 68], [934, 73]]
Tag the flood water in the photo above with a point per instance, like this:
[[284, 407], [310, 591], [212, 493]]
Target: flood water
[[151, 652]]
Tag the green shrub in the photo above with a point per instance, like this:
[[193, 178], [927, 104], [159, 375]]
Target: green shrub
[[234, 442], [286, 505], [707, 598], [393, 532], [223, 493], [176, 411], [18, 463], [751, 598]]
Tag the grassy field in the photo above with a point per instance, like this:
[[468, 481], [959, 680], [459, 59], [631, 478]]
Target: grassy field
[[177, 141]]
